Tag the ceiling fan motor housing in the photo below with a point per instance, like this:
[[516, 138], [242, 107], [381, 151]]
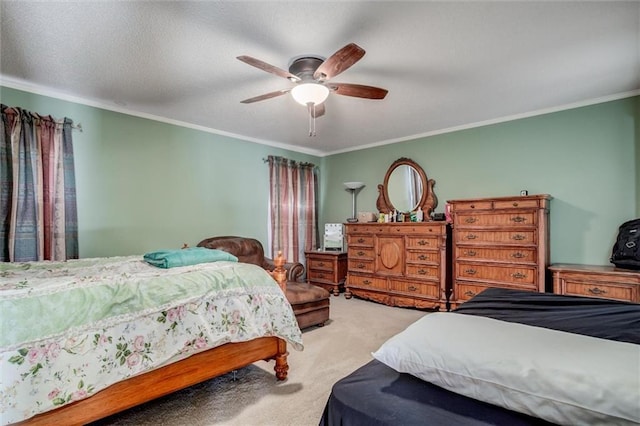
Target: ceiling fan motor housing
[[305, 66]]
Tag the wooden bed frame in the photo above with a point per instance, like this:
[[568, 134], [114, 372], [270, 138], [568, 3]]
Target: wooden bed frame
[[173, 377]]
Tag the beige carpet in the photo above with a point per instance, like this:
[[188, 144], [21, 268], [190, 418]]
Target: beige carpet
[[356, 329]]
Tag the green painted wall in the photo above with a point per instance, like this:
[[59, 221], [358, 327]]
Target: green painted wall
[[144, 185], [586, 158]]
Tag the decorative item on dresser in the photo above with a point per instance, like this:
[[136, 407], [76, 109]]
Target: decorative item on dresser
[[606, 282], [499, 242], [327, 269], [398, 264]]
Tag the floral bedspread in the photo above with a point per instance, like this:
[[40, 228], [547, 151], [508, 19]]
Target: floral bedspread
[[71, 329]]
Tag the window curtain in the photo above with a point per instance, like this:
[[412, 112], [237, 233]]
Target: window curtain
[[293, 207], [38, 212]]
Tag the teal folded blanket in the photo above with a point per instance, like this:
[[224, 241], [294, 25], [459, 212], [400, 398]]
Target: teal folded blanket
[[185, 257]]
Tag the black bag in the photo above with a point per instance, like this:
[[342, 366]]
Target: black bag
[[626, 250]]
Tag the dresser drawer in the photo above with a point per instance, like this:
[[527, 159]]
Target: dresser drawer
[[424, 272], [422, 242], [519, 276], [359, 265], [464, 220], [496, 237], [363, 281], [607, 291], [361, 253], [471, 205], [423, 256], [497, 254], [415, 288], [516, 204], [465, 291], [359, 240]]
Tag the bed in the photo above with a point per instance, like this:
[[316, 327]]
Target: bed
[[482, 375], [105, 334]]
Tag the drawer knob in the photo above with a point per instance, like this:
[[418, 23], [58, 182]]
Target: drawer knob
[[360, 253], [470, 220], [519, 275], [321, 264], [320, 275], [361, 240], [423, 272], [471, 236], [596, 290], [518, 237], [470, 271], [423, 243], [473, 206], [360, 266], [518, 255], [412, 288], [518, 219], [470, 253], [366, 282], [515, 204], [422, 257], [469, 293]]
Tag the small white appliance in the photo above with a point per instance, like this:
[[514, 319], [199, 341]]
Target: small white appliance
[[333, 237]]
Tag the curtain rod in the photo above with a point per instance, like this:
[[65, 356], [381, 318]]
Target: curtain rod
[[77, 127]]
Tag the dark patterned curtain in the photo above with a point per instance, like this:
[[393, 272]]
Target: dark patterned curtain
[[38, 212], [293, 207]]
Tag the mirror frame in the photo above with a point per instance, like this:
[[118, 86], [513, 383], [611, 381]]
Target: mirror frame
[[428, 201]]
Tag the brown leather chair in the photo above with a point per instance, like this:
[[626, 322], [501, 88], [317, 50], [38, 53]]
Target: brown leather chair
[[310, 303]]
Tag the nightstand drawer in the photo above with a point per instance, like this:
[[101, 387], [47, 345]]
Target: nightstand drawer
[[321, 264]]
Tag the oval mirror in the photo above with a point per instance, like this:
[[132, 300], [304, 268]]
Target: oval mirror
[[406, 188]]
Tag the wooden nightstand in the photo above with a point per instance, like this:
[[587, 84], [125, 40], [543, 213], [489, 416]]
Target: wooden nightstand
[[606, 282], [327, 269]]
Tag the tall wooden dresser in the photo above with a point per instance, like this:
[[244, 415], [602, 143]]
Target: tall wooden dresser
[[499, 242], [398, 264]]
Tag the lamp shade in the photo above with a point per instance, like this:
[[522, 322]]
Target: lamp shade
[[353, 185], [306, 93]]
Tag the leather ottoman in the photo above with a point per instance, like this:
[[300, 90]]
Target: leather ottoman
[[310, 303]]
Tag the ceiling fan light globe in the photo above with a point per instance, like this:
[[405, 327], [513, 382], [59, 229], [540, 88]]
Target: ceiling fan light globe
[[310, 93]]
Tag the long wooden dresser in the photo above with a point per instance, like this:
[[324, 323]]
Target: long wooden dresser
[[607, 282], [398, 264], [499, 242]]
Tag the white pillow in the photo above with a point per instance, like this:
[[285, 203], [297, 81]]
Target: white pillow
[[557, 376]]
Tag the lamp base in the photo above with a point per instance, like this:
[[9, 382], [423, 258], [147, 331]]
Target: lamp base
[[352, 220]]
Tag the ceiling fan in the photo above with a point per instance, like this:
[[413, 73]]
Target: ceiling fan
[[311, 75]]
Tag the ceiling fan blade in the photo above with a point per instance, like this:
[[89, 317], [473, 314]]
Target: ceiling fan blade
[[268, 68], [266, 96], [358, 90], [318, 111], [339, 62]]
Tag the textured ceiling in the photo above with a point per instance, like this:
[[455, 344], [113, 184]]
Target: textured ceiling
[[446, 65]]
